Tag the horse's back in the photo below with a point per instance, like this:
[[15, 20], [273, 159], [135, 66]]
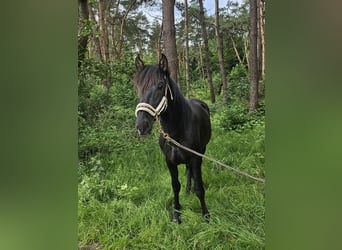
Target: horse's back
[[200, 108], [201, 104]]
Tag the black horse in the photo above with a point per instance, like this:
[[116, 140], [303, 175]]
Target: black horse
[[185, 120]]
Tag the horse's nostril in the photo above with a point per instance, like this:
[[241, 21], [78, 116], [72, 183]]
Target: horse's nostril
[[143, 128]]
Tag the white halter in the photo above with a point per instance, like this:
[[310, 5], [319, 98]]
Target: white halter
[[142, 106]]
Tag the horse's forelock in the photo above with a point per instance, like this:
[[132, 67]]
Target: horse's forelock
[[147, 77]]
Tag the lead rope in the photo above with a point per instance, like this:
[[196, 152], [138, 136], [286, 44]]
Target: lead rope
[[169, 139]]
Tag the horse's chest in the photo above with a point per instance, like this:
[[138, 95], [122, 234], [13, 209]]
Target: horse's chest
[[174, 154]]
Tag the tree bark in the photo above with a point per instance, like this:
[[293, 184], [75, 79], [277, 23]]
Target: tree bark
[[245, 46], [262, 37], [253, 59], [169, 35], [83, 39], [158, 46], [235, 48], [201, 68], [96, 40], [259, 47], [206, 50], [186, 28], [113, 23], [220, 52], [103, 28]]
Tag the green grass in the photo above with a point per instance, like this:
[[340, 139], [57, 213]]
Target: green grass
[[125, 193]]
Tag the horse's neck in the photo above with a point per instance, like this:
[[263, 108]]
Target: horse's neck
[[175, 118]]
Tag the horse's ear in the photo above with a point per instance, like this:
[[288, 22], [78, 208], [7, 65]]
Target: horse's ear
[[163, 64], [139, 64]]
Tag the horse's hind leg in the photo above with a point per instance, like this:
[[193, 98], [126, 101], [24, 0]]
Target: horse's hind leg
[[188, 178], [176, 188], [199, 189]]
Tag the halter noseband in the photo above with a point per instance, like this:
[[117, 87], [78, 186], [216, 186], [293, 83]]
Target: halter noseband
[[142, 106]]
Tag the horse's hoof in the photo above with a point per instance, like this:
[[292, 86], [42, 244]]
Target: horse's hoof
[[207, 217], [176, 218], [177, 221]]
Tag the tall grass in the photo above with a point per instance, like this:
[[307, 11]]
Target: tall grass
[[125, 196]]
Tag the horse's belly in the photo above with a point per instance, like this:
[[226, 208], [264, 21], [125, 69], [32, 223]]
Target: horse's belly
[[175, 155], [178, 156]]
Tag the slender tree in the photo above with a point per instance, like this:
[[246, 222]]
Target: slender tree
[[103, 28], [113, 23], [129, 8], [206, 50], [220, 52], [262, 36], [154, 41], [83, 36], [234, 47], [253, 56], [169, 35], [186, 35], [94, 25], [159, 42], [201, 67], [259, 47]]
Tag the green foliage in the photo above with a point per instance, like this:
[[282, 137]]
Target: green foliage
[[106, 98], [86, 28], [236, 116], [238, 85]]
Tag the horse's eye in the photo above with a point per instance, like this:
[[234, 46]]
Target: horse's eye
[[160, 85]]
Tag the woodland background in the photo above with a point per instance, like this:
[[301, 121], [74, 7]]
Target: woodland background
[[39, 143], [124, 187]]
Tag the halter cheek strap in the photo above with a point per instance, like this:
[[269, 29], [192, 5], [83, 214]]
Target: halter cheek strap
[[142, 106]]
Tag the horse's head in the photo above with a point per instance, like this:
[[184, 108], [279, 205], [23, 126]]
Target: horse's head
[[152, 84]]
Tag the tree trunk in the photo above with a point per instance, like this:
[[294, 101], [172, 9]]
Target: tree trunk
[[259, 48], [83, 39], [206, 50], [158, 46], [186, 27], [96, 40], [103, 28], [140, 44], [245, 46], [235, 48], [122, 26], [201, 68], [113, 23], [220, 52], [262, 36], [169, 35], [253, 59]]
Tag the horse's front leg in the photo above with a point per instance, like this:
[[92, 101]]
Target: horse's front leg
[[176, 188]]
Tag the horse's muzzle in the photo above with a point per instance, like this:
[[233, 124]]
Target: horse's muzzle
[[144, 124]]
